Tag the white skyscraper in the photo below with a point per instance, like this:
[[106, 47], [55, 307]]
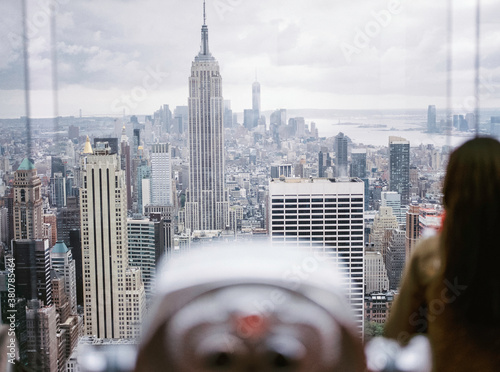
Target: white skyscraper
[[376, 279], [62, 261], [256, 103], [325, 215], [393, 199], [161, 175], [256, 98], [114, 297], [206, 206]]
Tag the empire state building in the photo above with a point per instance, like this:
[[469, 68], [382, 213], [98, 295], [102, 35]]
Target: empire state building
[[207, 205]]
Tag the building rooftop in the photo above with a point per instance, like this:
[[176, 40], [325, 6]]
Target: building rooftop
[[60, 247], [316, 180], [88, 147], [26, 164]]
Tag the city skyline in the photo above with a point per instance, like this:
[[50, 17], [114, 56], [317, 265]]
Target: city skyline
[[306, 55], [91, 206]]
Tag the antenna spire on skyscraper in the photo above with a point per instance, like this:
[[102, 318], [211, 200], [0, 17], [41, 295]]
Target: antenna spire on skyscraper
[[204, 52]]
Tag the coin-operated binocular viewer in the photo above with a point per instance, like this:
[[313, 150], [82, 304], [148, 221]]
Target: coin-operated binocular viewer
[[251, 309]]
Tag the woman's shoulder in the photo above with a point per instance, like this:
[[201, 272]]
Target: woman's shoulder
[[426, 259]]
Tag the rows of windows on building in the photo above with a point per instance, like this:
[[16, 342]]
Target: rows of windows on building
[[89, 224]]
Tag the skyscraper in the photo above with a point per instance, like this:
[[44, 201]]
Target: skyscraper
[[358, 165], [326, 215], [383, 221], [256, 97], [396, 257], [41, 329], [146, 246], [32, 258], [324, 162], [161, 175], [27, 206], [341, 155], [58, 190], [68, 218], [393, 199], [399, 167], [431, 119], [113, 292], [256, 102], [412, 229], [62, 261], [376, 279], [207, 205]]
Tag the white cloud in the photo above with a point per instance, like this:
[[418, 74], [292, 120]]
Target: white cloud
[[295, 46]]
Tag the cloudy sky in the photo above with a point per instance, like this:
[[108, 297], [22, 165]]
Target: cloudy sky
[[335, 54]]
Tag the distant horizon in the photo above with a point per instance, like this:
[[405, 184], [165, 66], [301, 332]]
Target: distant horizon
[[133, 56], [455, 111]]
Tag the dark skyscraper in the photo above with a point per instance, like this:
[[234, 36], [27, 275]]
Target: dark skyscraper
[[358, 165], [32, 270], [57, 166], [399, 167], [324, 162], [341, 155]]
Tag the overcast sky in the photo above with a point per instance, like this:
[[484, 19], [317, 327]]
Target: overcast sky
[[333, 54]]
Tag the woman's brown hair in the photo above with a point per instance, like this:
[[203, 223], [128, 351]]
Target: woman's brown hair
[[471, 230]]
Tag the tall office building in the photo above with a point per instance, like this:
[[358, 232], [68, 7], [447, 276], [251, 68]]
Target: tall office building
[[4, 226], [161, 175], [376, 279], [126, 164], [167, 215], [146, 246], [27, 205], [396, 258], [207, 205], [324, 162], [68, 219], [62, 262], [41, 329], [358, 163], [50, 227], [383, 221], [32, 258], [58, 190], [228, 114], [393, 199], [399, 167], [256, 99], [412, 228], [431, 119], [341, 155], [327, 216], [143, 186], [57, 165], [113, 293]]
